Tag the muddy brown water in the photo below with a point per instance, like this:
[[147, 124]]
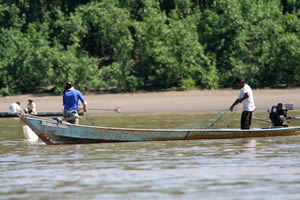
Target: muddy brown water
[[252, 168]]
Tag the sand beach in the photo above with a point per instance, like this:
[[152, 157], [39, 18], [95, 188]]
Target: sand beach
[[162, 102]]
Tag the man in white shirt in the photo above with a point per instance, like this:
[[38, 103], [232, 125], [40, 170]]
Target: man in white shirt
[[15, 108], [246, 96]]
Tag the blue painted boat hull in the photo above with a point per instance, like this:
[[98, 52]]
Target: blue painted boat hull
[[54, 132]]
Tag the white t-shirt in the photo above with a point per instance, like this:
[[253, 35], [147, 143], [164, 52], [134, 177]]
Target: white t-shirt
[[248, 104], [14, 108]]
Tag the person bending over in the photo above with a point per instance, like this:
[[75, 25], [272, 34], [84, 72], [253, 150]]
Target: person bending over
[[15, 108]]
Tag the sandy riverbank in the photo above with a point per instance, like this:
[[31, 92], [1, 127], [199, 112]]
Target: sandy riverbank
[[171, 101]]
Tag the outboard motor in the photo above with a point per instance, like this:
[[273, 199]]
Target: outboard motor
[[278, 114]]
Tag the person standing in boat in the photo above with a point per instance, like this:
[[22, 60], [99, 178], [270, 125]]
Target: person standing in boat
[[246, 96], [71, 97]]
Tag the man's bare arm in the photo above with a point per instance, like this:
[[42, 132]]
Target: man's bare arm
[[239, 101]]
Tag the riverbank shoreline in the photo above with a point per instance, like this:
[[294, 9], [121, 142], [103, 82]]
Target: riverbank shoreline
[[161, 102]]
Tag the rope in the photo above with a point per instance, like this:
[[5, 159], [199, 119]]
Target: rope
[[224, 112], [88, 121], [207, 122]]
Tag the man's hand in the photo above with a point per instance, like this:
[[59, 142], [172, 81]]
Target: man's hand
[[84, 108], [234, 104]]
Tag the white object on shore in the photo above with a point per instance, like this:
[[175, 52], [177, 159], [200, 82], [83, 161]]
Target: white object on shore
[[29, 134]]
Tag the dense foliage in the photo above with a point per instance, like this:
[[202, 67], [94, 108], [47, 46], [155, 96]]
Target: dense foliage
[[130, 45]]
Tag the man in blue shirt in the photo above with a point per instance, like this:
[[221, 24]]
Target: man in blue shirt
[[71, 97]]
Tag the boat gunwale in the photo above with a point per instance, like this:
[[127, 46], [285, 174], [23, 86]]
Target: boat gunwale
[[294, 128]]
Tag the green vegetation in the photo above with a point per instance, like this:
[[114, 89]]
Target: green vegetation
[[130, 45]]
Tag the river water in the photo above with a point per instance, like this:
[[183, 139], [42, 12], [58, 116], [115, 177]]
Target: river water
[[254, 168]]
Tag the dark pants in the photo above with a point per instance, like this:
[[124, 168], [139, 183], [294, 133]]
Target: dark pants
[[246, 119]]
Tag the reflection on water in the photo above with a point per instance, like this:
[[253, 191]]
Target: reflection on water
[[254, 168]]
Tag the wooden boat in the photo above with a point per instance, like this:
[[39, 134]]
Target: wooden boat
[[52, 131], [45, 114]]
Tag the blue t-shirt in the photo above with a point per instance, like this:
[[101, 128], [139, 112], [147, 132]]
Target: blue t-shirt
[[71, 98]]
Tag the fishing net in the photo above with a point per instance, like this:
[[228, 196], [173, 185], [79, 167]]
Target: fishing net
[[220, 119]]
